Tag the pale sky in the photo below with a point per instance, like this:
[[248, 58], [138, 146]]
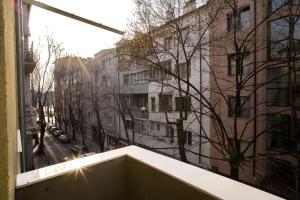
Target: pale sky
[[78, 38]]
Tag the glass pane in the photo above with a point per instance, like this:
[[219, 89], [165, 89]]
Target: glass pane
[[278, 76], [278, 132], [232, 65], [245, 18], [279, 34], [277, 4], [278, 97]]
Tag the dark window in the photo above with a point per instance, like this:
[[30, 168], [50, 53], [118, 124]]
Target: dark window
[[129, 124], [188, 137], [185, 70], [280, 171], [168, 42], [279, 31], [245, 66], [278, 130], [185, 32], [183, 103], [162, 71], [170, 133], [239, 21], [153, 104], [277, 4], [126, 79], [243, 107], [165, 102], [277, 88]]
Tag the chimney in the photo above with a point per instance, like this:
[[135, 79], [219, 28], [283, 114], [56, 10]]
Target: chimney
[[189, 6]]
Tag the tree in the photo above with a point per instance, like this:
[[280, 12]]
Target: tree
[[161, 34], [42, 78]]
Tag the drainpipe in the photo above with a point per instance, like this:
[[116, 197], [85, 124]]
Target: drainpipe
[[201, 107], [20, 79], [255, 93]]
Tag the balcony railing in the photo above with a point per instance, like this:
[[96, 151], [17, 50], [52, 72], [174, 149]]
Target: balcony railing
[[131, 173]]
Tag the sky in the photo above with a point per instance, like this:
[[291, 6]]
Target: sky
[[78, 38]]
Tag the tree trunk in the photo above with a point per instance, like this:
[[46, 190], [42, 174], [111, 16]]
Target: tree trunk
[[42, 128], [234, 171], [180, 140]]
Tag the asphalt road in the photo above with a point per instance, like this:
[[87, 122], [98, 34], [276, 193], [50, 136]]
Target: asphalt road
[[55, 150]]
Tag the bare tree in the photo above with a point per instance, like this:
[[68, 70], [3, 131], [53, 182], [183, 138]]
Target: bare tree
[[159, 22], [42, 78]]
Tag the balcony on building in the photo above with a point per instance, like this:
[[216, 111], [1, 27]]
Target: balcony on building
[[137, 105], [131, 173]]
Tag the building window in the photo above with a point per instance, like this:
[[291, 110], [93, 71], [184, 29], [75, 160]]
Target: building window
[[243, 107], [168, 43], [152, 126], [280, 171], [158, 127], [240, 21], [170, 133], [110, 120], [245, 17], [153, 104], [129, 124], [107, 82], [277, 4], [162, 71], [185, 33], [277, 88], [185, 70], [188, 137], [108, 101], [278, 133], [165, 102], [183, 103], [245, 66], [279, 31], [126, 79]]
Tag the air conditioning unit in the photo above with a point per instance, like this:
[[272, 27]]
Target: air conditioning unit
[[143, 108]]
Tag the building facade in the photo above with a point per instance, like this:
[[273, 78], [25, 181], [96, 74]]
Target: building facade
[[256, 97]]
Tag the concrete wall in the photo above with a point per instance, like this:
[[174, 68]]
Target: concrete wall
[[8, 122]]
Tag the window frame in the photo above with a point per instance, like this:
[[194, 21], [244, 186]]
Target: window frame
[[240, 115], [287, 137]]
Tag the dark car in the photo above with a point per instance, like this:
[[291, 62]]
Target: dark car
[[52, 129], [57, 133], [64, 138], [49, 127], [78, 149]]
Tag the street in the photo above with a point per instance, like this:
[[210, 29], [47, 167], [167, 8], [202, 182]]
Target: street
[[55, 152]]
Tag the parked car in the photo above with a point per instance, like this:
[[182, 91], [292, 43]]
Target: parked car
[[87, 154], [52, 129], [49, 127], [64, 138], [78, 150], [57, 133]]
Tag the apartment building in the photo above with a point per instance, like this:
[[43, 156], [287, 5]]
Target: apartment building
[[103, 98], [151, 93], [71, 90], [251, 56]]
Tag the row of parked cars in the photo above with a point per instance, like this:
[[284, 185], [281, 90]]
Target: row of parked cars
[[78, 150], [58, 133]]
